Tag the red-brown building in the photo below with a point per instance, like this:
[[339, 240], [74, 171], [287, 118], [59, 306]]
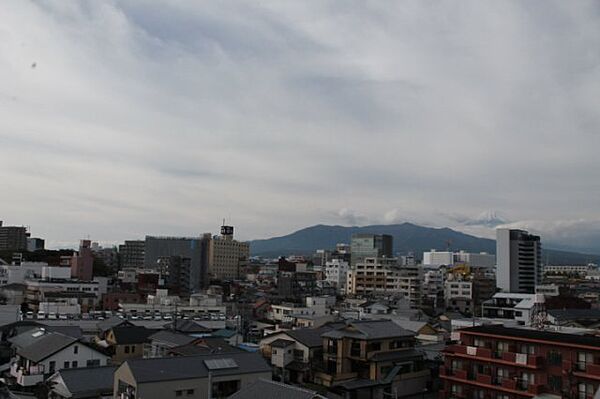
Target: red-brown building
[[495, 362]]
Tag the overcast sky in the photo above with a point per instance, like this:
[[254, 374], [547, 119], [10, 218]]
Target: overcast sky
[[120, 119]]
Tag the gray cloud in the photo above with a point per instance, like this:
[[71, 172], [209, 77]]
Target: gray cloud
[[165, 117]]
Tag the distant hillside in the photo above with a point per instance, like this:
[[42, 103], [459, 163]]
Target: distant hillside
[[407, 237]]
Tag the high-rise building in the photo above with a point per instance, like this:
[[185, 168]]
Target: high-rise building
[[193, 248], [364, 246], [131, 254], [82, 262], [519, 261], [438, 258], [227, 256], [35, 244], [13, 238]]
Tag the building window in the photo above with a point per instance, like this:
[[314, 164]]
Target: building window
[[189, 392], [92, 363], [75, 349], [66, 365], [126, 348], [179, 393], [583, 359], [554, 358], [74, 364], [555, 383], [585, 391], [52, 366]]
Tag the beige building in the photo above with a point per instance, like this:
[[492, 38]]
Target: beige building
[[189, 376], [227, 256]]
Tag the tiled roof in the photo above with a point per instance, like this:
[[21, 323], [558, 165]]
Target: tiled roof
[[266, 389]]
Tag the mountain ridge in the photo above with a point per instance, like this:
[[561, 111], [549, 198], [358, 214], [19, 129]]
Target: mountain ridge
[[408, 237]]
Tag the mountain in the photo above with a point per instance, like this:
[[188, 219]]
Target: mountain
[[408, 237]]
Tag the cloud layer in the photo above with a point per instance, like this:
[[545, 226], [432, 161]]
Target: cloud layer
[[164, 117]]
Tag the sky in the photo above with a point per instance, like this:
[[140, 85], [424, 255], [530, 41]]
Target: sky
[[125, 118]]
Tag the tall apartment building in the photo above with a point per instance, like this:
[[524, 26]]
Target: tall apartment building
[[497, 362], [131, 254], [193, 248], [82, 262], [364, 246], [336, 273], [226, 256], [519, 261], [13, 238]]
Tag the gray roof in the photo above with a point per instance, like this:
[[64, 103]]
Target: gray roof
[[370, 329], [114, 321], [88, 381], [266, 389], [39, 348], [311, 337], [187, 326], [191, 367], [171, 338], [575, 314], [281, 343]]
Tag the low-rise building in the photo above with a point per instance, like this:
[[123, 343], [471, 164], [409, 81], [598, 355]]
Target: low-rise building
[[194, 377], [83, 383], [520, 307]]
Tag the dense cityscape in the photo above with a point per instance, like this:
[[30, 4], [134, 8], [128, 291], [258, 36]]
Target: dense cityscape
[[314, 199], [201, 317]]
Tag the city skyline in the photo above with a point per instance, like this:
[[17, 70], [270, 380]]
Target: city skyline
[[129, 119]]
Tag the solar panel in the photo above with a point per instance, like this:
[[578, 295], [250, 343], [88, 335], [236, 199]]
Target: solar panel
[[219, 364]]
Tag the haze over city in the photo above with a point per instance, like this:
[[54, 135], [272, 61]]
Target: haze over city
[[121, 119]]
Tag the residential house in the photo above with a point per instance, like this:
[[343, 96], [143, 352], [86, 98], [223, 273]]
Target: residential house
[[126, 342], [40, 354], [372, 358], [161, 342], [83, 383], [307, 349]]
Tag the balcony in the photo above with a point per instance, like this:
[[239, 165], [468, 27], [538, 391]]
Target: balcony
[[593, 369], [483, 378], [23, 377]]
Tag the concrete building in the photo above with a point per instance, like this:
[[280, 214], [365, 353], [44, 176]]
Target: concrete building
[[82, 262], [13, 238], [364, 246], [226, 256], [458, 294], [519, 257], [336, 271], [438, 258], [132, 254], [523, 308], [476, 260], [196, 249]]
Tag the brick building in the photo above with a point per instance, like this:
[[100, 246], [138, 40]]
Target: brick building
[[495, 362]]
